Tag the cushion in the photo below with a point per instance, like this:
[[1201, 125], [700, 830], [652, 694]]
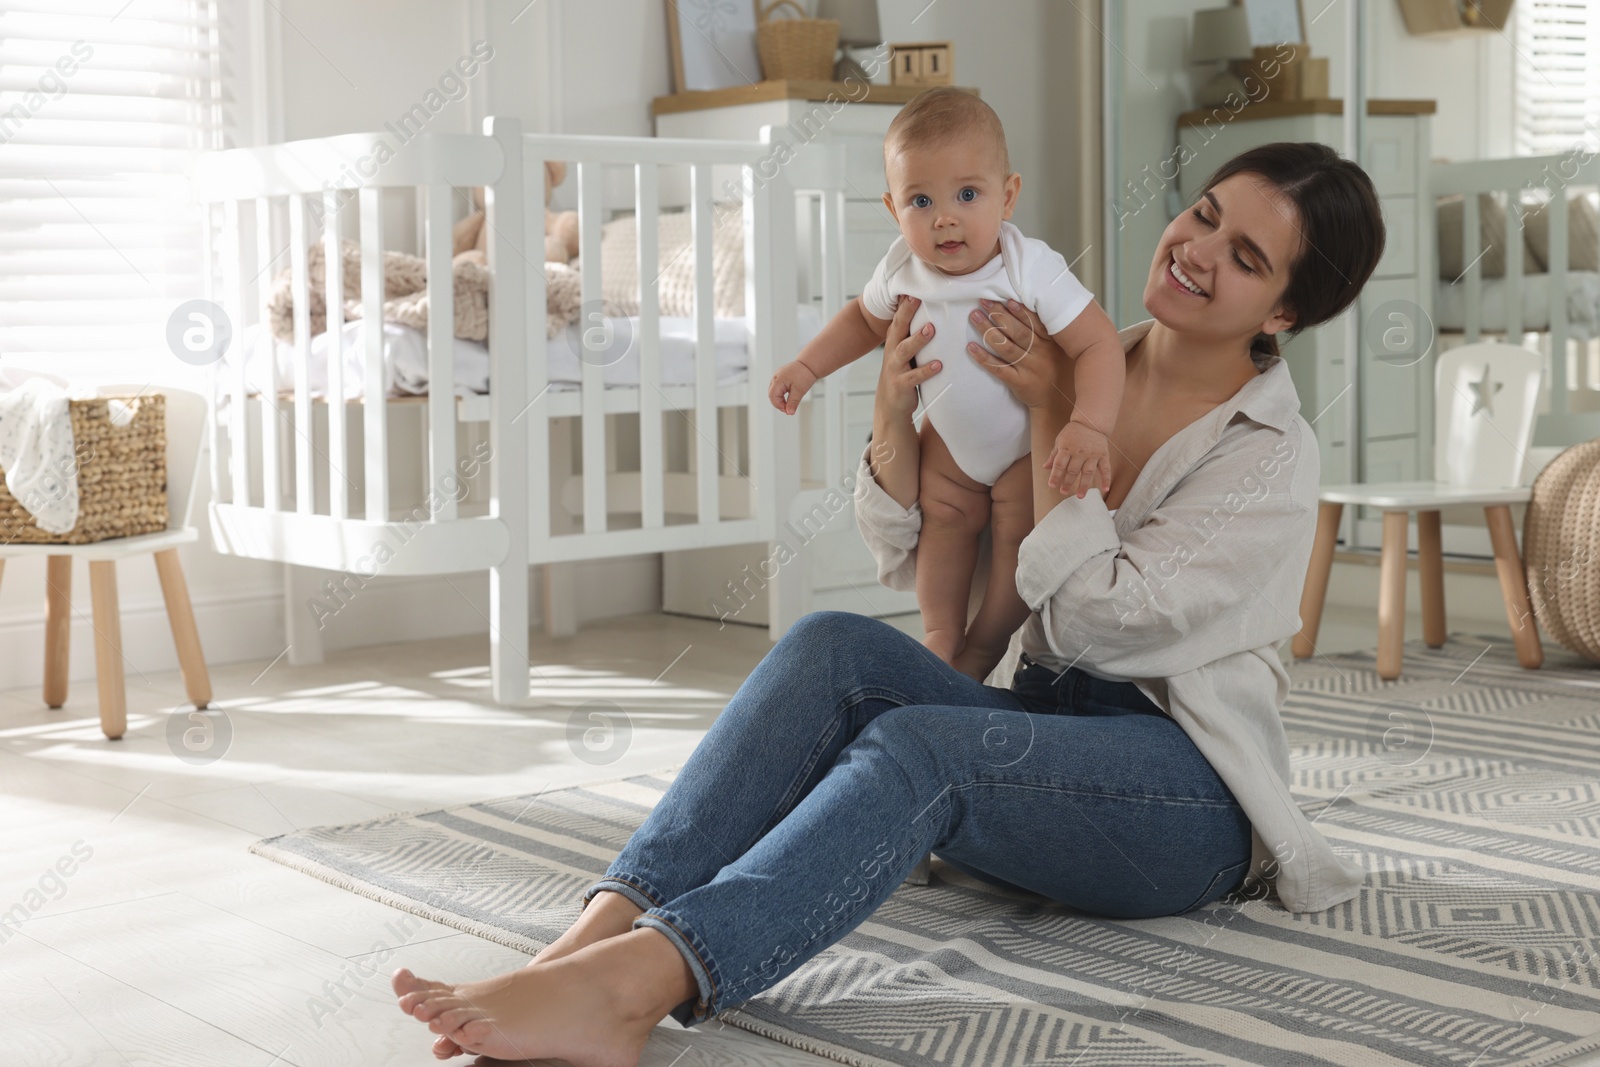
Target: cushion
[[619, 256], [1583, 233], [1492, 234]]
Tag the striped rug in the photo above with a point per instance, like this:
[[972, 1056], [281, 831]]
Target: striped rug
[[1469, 789]]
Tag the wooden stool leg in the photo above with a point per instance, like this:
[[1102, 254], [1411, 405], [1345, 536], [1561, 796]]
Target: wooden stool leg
[[1514, 587], [108, 648], [180, 613], [1392, 594], [1316, 590], [57, 628], [1430, 563]]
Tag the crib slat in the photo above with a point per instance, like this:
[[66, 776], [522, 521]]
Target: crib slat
[[769, 234], [441, 355], [530, 407], [833, 396], [1557, 269], [375, 412], [270, 486], [703, 205], [1472, 248], [338, 429], [519, 491], [1513, 286], [300, 290], [233, 274], [597, 336], [652, 454]]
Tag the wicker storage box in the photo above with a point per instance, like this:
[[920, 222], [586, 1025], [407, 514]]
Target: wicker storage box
[[122, 476], [798, 49], [1561, 544]]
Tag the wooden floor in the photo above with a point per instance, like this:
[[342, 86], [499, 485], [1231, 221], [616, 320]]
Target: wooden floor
[[169, 944]]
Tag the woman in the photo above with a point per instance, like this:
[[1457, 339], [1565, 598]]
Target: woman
[[851, 752]]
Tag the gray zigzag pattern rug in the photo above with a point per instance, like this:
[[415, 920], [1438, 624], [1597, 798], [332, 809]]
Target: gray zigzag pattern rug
[[1469, 789]]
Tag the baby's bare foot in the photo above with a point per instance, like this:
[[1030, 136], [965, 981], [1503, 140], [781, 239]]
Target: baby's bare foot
[[976, 663], [607, 914], [595, 1008]]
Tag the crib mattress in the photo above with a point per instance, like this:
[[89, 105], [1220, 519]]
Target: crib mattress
[[405, 357], [1583, 304]]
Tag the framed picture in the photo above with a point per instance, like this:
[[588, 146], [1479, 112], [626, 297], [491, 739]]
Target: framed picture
[[1275, 21], [713, 44]]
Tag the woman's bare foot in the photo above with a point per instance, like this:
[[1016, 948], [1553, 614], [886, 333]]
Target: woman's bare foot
[[608, 914], [593, 1008]]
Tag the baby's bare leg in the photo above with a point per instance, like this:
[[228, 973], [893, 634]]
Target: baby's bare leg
[[955, 509], [1003, 609]]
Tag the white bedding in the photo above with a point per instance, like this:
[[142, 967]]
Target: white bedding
[[1583, 304], [406, 357]]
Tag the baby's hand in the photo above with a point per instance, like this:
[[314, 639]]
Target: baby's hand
[[1080, 460], [793, 380]]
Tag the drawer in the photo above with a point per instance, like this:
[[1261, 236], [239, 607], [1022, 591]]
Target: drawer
[[1391, 461], [869, 231], [1395, 370], [1391, 158], [1399, 258], [863, 164]]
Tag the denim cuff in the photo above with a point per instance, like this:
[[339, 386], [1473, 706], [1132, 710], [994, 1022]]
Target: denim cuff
[[689, 1013], [642, 893]]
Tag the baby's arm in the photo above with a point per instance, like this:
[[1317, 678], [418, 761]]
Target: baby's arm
[[1099, 366], [848, 336]]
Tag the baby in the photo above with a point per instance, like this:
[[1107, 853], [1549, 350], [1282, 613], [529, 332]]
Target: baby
[[950, 191]]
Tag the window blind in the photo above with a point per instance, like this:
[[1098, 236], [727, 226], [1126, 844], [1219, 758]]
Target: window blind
[[103, 106], [1558, 78]]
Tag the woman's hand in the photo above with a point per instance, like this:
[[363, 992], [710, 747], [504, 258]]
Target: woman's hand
[[1019, 352], [899, 378]]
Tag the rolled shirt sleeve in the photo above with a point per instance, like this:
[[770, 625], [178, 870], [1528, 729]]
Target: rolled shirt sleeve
[[889, 530], [1192, 583]]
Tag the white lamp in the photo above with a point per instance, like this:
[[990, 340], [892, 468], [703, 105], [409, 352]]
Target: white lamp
[[1221, 35], [858, 28]]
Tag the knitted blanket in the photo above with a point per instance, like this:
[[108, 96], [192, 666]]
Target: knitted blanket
[[405, 280]]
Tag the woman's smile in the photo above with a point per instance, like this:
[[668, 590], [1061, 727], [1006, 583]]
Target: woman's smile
[[1181, 281]]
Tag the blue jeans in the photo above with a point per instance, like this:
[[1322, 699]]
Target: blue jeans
[[851, 751]]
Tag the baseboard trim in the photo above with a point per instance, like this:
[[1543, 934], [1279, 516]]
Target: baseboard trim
[[249, 627]]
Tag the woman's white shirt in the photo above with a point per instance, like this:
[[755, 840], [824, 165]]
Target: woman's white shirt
[[1188, 592]]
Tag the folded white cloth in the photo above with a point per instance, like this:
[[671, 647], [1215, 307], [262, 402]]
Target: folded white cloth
[[37, 453]]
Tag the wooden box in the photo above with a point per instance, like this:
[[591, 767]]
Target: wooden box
[[923, 63]]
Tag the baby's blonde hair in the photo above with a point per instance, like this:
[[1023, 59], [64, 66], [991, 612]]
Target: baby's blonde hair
[[940, 114]]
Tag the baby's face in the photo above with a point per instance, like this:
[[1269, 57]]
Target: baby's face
[[949, 199]]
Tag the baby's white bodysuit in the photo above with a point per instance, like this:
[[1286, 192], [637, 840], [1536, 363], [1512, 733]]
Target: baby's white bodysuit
[[983, 425]]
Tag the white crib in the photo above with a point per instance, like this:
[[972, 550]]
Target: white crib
[[345, 487], [1556, 312]]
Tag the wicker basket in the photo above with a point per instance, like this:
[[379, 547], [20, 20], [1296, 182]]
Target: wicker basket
[[799, 49], [1561, 543], [122, 476]]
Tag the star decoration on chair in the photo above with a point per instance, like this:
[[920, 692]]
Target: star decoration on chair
[[1485, 390]]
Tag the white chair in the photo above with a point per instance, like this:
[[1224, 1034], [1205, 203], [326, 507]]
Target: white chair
[[1485, 396], [185, 427]]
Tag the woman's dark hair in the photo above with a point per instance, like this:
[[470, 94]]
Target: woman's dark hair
[[1340, 224]]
